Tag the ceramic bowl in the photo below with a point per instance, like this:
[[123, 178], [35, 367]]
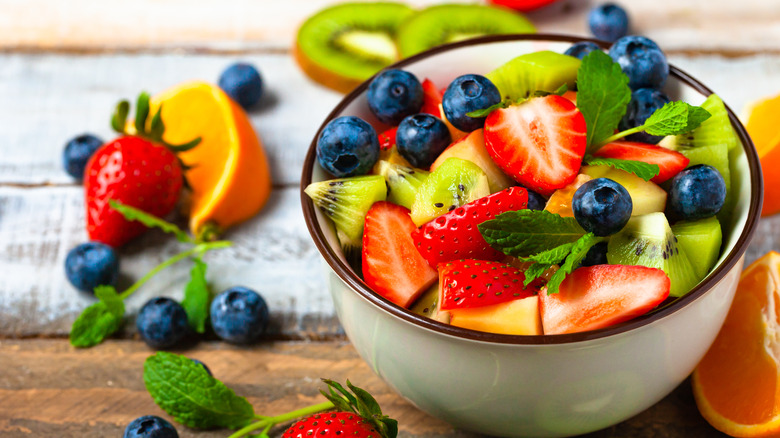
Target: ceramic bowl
[[552, 385]]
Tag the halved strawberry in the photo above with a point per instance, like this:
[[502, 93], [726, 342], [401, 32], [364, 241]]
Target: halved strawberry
[[387, 139], [391, 265], [602, 295], [670, 162], [454, 235], [473, 283], [540, 142], [431, 98]]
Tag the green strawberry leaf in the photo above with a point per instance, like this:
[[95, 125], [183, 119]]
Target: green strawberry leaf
[[119, 118], [141, 112], [197, 297]]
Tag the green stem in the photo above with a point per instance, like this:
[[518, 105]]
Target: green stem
[[620, 135], [269, 422], [198, 249]]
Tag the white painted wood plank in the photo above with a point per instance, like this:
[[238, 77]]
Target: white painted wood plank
[[272, 254]]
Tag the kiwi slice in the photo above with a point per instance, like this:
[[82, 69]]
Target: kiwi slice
[[402, 182], [428, 303], [538, 71], [454, 183], [343, 45], [346, 201], [701, 241], [647, 240], [449, 23]]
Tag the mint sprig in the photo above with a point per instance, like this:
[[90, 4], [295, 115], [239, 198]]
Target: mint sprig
[[524, 233], [646, 171], [134, 214], [197, 297], [578, 252], [673, 118], [99, 320]]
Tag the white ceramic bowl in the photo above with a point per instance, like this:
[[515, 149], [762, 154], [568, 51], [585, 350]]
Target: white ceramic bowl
[[553, 385]]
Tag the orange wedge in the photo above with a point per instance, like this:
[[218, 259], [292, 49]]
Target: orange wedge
[[736, 384], [561, 199], [762, 125], [229, 176]]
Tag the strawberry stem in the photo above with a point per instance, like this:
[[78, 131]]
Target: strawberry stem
[[268, 422]]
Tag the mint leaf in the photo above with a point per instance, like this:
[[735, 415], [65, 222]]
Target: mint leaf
[[646, 171], [535, 271], [523, 233], [675, 118], [696, 116], [578, 252], [551, 256], [602, 96], [196, 297], [484, 112], [134, 214], [99, 320], [186, 392], [560, 91]]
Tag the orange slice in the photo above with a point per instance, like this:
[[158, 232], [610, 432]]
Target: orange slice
[[229, 175], [736, 384], [561, 199], [761, 123]]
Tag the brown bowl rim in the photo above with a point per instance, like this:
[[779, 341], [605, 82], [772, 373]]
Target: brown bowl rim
[[356, 284]]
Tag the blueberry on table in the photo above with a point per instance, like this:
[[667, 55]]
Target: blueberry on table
[[347, 146], [641, 60], [597, 255], [421, 138], [697, 192], [91, 264], [582, 48], [608, 22], [602, 206], [644, 102], [465, 94], [239, 315], [393, 95], [243, 83], [535, 201], [150, 426], [162, 323], [77, 152]]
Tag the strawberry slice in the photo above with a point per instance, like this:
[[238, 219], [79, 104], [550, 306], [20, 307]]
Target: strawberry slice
[[387, 139], [473, 283], [540, 142], [602, 295], [431, 98], [391, 265], [454, 235], [670, 162]]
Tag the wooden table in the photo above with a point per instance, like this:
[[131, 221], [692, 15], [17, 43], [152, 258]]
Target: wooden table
[[63, 65]]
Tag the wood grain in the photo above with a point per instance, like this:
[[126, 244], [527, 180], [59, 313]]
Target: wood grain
[[49, 389]]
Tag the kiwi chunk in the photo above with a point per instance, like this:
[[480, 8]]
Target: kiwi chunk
[[343, 45], [647, 240], [454, 183], [701, 241], [538, 71], [449, 23], [428, 303], [402, 182], [346, 201]]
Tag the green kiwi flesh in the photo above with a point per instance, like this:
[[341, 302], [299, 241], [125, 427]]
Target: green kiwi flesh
[[455, 22], [454, 183], [428, 303], [701, 241], [647, 240], [354, 40], [538, 71], [402, 182]]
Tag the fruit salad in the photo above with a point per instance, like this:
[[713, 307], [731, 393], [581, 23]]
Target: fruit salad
[[559, 193]]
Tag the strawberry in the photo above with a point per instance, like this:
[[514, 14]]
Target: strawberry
[[387, 139], [602, 295], [473, 283], [540, 142], [455, 235], [669, 162], [391, 265], [431, 98]]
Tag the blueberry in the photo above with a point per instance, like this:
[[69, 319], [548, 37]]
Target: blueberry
[[582, 48], [535, 200], [597, 255], [393, 95], [162, 323], [697, 192], [348, 146], [150, 426], [602, 206], [91, 264], [641, 60], [465, 94], [239, 315], [243, 83], [608, 22], [203, 365], [77, 153], [642, 105], [421, 138]]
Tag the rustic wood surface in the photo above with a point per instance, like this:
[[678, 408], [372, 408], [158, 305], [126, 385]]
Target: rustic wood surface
[[63, 65]]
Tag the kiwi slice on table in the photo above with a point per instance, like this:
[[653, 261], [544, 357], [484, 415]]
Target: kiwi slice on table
[[346, 201], [701, 242], [449, 23], [454, 183], [647, 240], [538, 71], [402, 182], [343, 45]]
